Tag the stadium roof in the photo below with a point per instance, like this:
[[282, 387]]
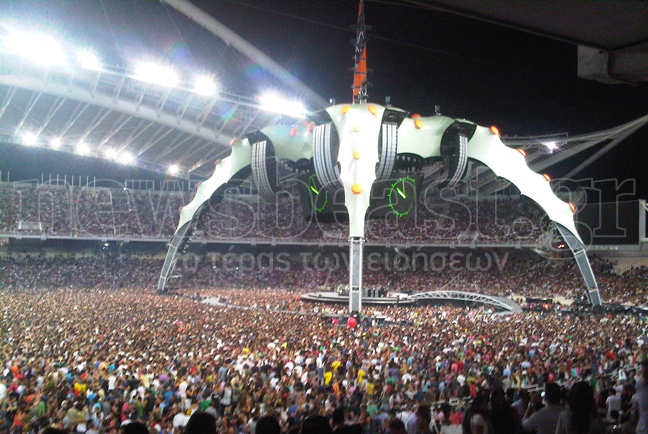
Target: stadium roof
[[56, 94], [607, 25], [112, 109]]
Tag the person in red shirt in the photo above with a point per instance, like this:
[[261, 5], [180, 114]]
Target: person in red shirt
[[125, 411], [19, 419]]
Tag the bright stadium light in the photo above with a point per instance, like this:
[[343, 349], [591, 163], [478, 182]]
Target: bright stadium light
[[29, 139], [125, 158], [156, 74], [82, 148], [275, 103], [204, 86], [37, 48], [552, 146], [56, 143], [110, 153], [89, 60], [173, 169]]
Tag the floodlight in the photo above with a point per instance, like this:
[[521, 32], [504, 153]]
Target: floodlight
[[89, 60], [29, 139], [37, 48], [275, 103], [552, 146], [173, 169], [125, 158], [56, 143], [156, 74], [110, 153], [82, 148], [204, 86]]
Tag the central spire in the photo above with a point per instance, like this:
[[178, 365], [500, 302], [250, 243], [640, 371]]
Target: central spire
[[360, 70]]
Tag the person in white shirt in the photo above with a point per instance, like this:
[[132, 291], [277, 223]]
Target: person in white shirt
[[183, 388], [544, 421], [404, 415], [226, 399], [111, 382], [180, 420], [613, 404]]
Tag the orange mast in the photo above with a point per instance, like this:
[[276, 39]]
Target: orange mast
[[360, 71]]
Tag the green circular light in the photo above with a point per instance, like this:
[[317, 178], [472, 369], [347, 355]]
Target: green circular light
[[402, 196], [321, 197]]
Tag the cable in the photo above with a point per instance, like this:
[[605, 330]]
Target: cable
[[403, 5], [395, 41], [296, 17], [112, 31], [166, 9]]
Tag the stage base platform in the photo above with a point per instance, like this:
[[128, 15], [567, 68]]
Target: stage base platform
[[391, 299]]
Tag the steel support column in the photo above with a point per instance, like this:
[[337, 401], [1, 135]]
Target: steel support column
[[355, 274]]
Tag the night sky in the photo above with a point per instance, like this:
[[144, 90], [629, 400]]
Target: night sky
[[522, 83]]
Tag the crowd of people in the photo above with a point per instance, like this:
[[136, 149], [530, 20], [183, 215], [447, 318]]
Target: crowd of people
[[94, 360], [509, 275], [87, 347], [120, 212]]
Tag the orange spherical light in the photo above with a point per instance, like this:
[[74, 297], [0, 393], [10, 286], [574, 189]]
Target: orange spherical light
[[373, 109], [345, 109], [356, 155], [418, 124], [356, 188]]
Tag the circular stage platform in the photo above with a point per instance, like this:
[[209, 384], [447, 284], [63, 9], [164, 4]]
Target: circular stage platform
[[392, 298], [400, 299]]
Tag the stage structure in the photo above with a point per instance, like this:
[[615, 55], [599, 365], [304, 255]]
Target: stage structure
[[352, 147], [360, 147]]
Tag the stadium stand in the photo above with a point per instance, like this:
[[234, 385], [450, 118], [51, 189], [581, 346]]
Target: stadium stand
[[119, 212]]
